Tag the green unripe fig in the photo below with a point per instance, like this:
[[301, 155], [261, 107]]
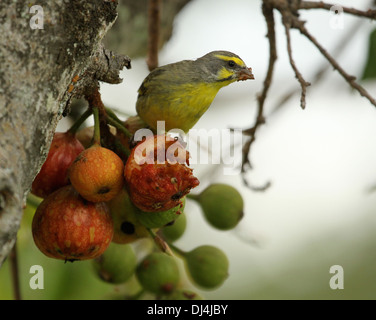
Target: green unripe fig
[[207, 265], [174, 231], [127, 228], [183, 294], [117, 264], [158, 273], [159, 219], [222, 205]]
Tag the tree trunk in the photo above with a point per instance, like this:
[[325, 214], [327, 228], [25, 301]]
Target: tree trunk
[[41, 71]]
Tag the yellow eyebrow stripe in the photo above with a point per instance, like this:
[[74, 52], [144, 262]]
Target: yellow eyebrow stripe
[[238, 61]]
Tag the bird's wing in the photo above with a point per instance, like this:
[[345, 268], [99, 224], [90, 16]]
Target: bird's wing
[[169, 77]]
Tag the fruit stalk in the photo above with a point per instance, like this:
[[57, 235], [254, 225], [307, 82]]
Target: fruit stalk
[[116, 122], [73, 129], [118, 126], [195, 197], [160, 242], [180, 252], [95, 103], [97, 130]]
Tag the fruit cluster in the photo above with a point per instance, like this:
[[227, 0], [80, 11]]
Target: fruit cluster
[[98, 202]]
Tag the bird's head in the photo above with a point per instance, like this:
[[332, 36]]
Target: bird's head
[[225, 66]]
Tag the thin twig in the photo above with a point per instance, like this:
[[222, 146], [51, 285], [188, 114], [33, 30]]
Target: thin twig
[[251, 132], [349, 78], [15, 273], [321, 71], [303, 84], [371, 14], [153, 31], [269, 17]]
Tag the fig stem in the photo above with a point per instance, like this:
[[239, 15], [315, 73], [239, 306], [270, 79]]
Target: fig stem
[[116, 122], [118, 126], [95, 103], [73, 129], [97, 130], [160, 242], [33, 200], [195, 197], [112, 114], [179, 251], [136, 296]]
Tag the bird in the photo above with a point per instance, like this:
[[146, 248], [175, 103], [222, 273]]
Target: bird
[[180, 93]]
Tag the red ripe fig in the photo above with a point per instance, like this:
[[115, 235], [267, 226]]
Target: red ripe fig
[[66, 226], [53, 175], [157, 175]]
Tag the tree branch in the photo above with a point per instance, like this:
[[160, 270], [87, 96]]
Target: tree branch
[[42, 70], [153, 33], [290, 20], [251, 132]]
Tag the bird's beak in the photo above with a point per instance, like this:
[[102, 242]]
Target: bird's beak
[[245, 74]]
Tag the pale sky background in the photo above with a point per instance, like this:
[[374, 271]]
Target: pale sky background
[[320, 161]]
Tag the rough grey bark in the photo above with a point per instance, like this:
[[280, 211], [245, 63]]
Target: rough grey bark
[[41, 70]]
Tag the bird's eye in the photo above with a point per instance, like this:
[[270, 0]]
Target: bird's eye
[[231, 63]]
